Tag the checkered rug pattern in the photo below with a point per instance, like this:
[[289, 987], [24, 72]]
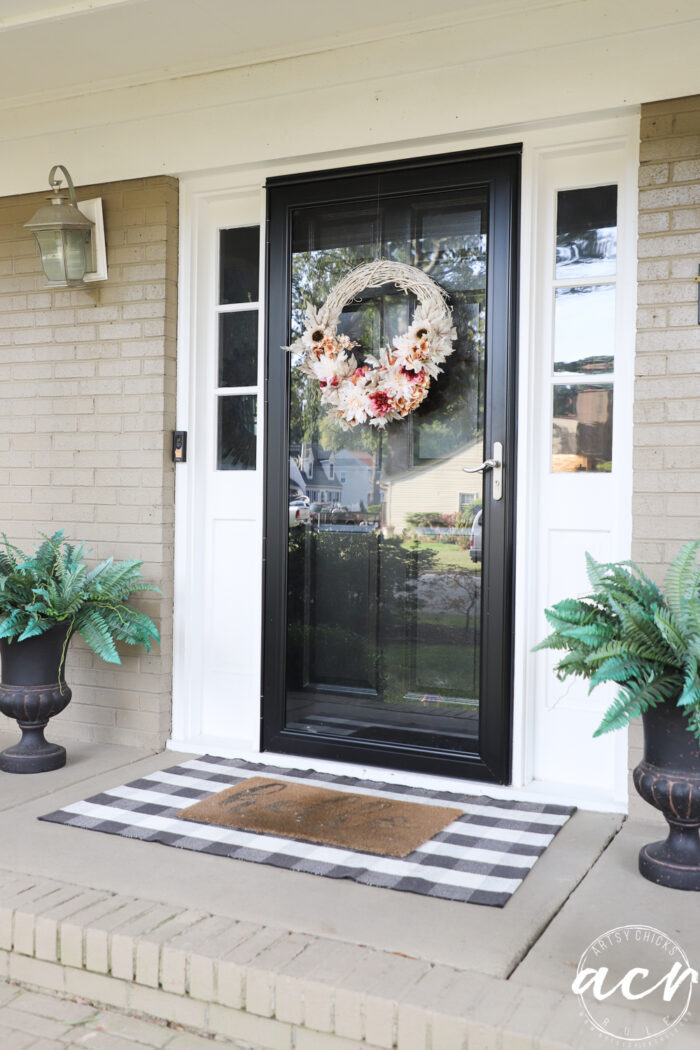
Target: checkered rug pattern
[[481, 858]]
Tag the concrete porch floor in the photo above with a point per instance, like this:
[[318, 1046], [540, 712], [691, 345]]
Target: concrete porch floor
[[276, 958]]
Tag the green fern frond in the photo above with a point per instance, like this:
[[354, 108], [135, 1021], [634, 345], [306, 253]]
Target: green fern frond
[[693, 716], [572, 664], [670, 632], [591, 634], [682, 577], [691, 685], [619, 669], [572, 611], [92, 626], [594, 571], [33, 628], [631, 702], [626, 631], [641, 632], [552, 641]]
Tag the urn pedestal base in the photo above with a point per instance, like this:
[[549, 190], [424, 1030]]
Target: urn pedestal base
[[33, 754], [675, 861], [32, 706], [668, 777]]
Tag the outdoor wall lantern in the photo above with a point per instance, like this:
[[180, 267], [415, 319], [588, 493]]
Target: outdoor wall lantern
[[71, 239]]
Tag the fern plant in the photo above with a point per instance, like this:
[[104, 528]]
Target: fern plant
[[55, 586], [628, 632]]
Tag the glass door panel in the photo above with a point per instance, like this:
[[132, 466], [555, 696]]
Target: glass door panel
[[389, 532], [383, 609]]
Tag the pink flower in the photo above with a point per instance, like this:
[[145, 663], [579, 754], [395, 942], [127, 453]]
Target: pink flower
[[413, 377], [381, 402]]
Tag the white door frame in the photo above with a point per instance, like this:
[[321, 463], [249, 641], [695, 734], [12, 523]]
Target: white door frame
[[613, 139]]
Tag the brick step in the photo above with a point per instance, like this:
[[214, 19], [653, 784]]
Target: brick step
[[31, 1020], [265, 986]]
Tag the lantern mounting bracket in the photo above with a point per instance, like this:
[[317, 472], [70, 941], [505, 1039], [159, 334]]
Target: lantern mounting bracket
[[93, 210]]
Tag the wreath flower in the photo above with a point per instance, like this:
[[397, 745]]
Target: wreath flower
[[394, 382]]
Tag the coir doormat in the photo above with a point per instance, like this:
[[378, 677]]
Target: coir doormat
[[367, 823], [481, 857]]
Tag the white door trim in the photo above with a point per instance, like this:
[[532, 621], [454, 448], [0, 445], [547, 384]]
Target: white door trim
[[197, 195]]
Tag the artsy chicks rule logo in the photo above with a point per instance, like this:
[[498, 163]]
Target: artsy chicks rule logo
[[634, 984]]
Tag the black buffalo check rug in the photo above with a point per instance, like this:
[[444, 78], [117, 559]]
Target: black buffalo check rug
[[481, 857]]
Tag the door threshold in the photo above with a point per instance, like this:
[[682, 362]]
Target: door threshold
[[535, 791]]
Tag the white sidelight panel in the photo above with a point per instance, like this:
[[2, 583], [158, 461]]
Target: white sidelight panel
[[218, 616], [581, 435]]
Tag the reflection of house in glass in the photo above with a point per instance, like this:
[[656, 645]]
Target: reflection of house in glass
[[312, 470], [582, 427], [354, 471], [440, 487], [331, 477]]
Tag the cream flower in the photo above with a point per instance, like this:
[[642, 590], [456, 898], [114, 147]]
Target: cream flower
[[326, 369], [354, 403]]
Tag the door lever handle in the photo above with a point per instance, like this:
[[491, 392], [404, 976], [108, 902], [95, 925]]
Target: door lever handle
[[488, 464], [496, 465]]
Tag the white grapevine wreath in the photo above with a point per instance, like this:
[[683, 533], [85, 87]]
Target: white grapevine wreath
[[394, 383]]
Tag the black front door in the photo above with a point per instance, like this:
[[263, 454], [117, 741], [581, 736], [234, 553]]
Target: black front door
[[388, 554]]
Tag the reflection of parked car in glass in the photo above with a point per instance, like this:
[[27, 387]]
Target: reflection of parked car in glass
[[299, 511], [333, 514], [342, 516], [475, 538], [319, 512]]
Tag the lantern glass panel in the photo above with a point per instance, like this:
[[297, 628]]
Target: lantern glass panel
[[75, 247], [52, 257]]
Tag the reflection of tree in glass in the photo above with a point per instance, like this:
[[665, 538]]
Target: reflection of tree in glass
[[370, 627], [368, 598], [457, 263], [453, 414]]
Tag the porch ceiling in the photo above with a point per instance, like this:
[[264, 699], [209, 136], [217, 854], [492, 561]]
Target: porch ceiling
[[56, 47]]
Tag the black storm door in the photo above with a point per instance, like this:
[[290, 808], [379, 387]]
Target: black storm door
[[388, 553]]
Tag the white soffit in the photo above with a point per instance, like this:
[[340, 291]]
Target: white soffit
[[54, 48]]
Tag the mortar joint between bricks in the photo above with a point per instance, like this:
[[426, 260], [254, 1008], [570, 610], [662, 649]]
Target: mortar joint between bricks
[[206, 1019], [215, 982], [273, 998], [363, 1021], [244, 988]]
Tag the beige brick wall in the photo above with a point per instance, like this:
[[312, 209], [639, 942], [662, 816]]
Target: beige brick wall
[[666, 507], [87, 403]]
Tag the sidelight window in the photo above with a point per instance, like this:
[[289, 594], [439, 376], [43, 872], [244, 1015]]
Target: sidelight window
[[584, 295], [238, 310]]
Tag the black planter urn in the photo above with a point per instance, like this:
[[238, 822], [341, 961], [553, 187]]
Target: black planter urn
[[668, 778], [31, 692]]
